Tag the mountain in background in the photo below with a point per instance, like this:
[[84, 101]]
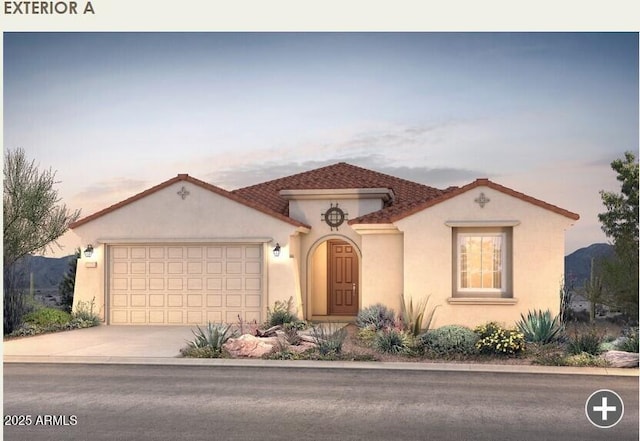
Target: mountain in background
[[48, 272], [577, 265]]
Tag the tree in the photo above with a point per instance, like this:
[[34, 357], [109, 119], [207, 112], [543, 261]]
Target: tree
[[33, 220], [68, 283], [620, 224]]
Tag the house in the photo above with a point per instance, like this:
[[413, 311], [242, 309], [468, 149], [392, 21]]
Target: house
[[335, 239]]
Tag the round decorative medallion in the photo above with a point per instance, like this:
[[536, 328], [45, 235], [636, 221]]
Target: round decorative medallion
[[334, 217]]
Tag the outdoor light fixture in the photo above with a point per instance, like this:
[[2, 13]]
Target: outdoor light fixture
[[276, 250], [89, 251]]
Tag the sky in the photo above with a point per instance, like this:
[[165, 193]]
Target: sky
[[116, 113]]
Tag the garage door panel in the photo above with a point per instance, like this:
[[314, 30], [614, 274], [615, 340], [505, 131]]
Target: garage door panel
[[214, 301], [138, 252], [175, 317], [156, 300], [253, 252], [214, 284], [138, 268], [138, 284], [252, 317], [174, 300], [156, 267], [194, 284], [156, 253], [252, 301], [253, 284], [138, 300], [185, 284], [119, 317], [194, 317], [119, 299], [194, 300], [214, 316], [156, 317]]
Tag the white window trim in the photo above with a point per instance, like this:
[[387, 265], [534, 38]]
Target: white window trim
[[503, 260]]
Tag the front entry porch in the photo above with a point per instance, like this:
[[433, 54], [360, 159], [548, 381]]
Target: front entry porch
[[334, 281]]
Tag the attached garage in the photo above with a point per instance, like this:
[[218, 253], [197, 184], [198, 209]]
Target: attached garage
[[184, 284]]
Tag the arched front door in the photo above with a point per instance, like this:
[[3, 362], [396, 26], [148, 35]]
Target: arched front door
[[342, 278]]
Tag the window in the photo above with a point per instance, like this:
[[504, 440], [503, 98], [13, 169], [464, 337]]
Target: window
[[482, 263]]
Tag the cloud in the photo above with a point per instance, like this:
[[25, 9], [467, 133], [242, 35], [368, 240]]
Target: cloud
[[256, 173], [102, 194]]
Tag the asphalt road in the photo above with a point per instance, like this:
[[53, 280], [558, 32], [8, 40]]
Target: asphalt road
[[136, 402]]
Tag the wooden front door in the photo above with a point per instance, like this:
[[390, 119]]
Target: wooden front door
[[342, 284]]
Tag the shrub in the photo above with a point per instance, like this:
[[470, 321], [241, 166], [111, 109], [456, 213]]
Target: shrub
[[213, 336], [539, 327], [585, 340], [47, 316], [391, 341], [629, 342], [496, 340], [281, 313], [85, 311], [451, 339], [375, 317], [205, 352], [412, 319], [328, 338]]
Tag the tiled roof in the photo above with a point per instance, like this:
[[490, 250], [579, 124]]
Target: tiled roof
[[393, 214], [340, 176], [408, 197]]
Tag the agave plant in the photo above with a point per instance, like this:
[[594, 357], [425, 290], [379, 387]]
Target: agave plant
[[540, 327], [214, 335], [413, 318]]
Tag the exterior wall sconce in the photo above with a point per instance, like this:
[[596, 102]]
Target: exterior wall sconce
[[88, 252], [276, 250]]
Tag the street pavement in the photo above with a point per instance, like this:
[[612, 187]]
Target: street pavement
[[217, 402]]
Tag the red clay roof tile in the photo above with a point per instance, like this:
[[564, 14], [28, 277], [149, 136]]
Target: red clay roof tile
[[409, 197]]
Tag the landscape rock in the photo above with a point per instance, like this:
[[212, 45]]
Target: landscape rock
[[249, 346], [621, 359]]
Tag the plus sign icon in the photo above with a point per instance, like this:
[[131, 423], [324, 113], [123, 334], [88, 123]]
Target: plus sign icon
[[604, 408]]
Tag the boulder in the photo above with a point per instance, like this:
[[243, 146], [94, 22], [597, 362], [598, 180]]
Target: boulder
[[249, 346], [621, 359]]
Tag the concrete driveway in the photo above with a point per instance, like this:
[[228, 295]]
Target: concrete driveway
[[103, 341]]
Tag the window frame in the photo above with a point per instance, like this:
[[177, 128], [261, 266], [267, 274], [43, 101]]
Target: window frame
[[506, 276]]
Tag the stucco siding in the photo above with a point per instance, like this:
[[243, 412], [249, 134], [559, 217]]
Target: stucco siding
[[201, 217], [537, 261], [382, 270]]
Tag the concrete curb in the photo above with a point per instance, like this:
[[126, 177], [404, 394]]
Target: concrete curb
[[309, 364]]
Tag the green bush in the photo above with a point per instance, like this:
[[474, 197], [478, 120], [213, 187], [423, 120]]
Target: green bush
[[204, 352], [540, 327], [629, 341], [329, 338], [496, 340], [392, 341], [281, 313], [375, 317], [85, 311], [449, 340], [47, 316], [586, 339], [213, 336]]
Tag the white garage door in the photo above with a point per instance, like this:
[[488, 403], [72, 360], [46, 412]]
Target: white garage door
[[185, 284]]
